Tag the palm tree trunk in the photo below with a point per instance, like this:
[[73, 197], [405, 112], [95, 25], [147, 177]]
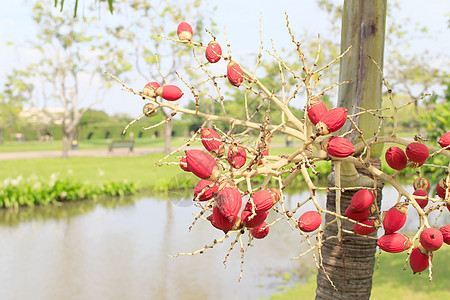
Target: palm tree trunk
[[349, 263]]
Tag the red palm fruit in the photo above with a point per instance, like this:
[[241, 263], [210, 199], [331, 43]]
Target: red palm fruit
[[316, 110], [356, 215], [417, 152], [204, 190], [444, 141], [257, 219], [431, 239], [422, 193], [213, 52], [364, 230], [264, 200], [441, 188], [394, 242], [211, 140], [418, 261], [236, 156], [220, 222], [202, 164], [395, 218], [183, 164], [235, 74], [149, 110], [396, 158], [260, 232], [150, 89], [339, 147], [184, 31], [169, 92], [362, 200], [445, 230], [309, 221], [331, 121], [229, 202], [422, 183]]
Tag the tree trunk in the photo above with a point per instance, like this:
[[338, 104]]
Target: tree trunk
[[167, 137], [349, 263], [65, 144]]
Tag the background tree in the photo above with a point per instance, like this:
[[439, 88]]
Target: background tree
[[69, 63], [16, 92]]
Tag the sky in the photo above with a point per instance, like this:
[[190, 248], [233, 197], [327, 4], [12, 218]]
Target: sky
[[241, 20]]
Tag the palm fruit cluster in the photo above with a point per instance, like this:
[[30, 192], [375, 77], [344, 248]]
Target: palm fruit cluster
[[229, 212], [360, 209], [431, 239], [225, 197]]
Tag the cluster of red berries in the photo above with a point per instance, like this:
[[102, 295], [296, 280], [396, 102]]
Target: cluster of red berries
[[227, 199], [360, 209], [326, 122], [431, 239]]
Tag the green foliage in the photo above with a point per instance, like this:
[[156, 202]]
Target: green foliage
[[19, 191], [435, 122], [16, 91], [75, 9]]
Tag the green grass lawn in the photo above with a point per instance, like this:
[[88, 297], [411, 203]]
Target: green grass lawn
[[138, 169], [390, 281]]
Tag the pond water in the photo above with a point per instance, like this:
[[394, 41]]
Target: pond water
[[119, 249]]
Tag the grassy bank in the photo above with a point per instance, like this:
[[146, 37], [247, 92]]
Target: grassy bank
[[43, 181], [390, 281], [90, 175], [138, 169], [96, 170]]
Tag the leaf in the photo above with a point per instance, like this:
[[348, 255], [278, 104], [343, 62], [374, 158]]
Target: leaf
[[110, 4], [75, 9]]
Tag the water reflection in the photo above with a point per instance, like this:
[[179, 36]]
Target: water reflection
[[118, 249]]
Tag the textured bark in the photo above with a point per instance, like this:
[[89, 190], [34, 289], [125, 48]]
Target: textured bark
[[363, 28], [348, 264]]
